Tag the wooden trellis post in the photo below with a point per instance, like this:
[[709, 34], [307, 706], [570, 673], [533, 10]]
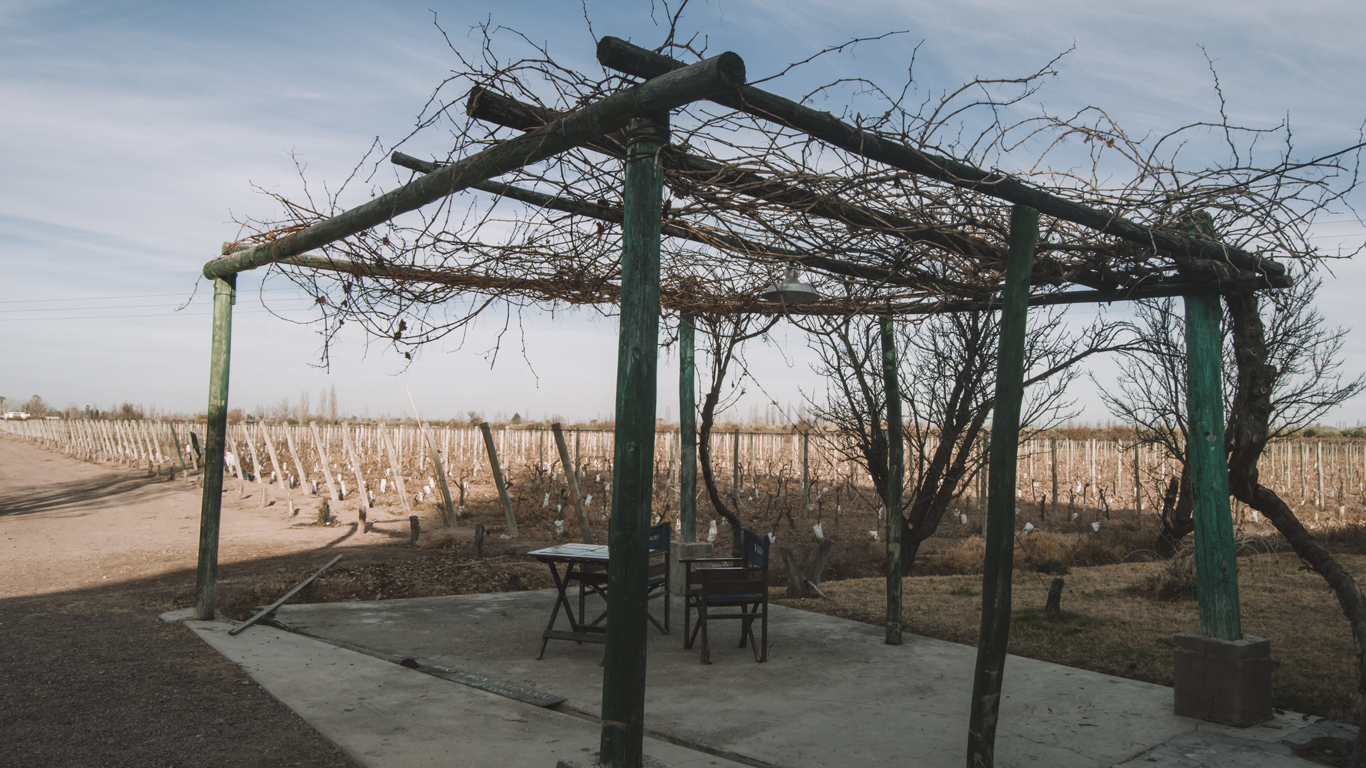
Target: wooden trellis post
[[687, 430], [178, 453], [395, 467], [1053, 447], [294, 454], [623, 680], [251, 448], [355, 467], [571, 477], [440, 475], [324, 462], [806, 475], [1138, 481], [274, 459], [895, 469], [210, 510], [1000, 522], [498, 478], [735, 468]]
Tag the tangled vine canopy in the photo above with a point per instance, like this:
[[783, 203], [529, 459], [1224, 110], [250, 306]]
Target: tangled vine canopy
[[886, 209]]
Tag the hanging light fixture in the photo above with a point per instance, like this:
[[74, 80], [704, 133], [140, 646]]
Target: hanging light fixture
[[791, 290]]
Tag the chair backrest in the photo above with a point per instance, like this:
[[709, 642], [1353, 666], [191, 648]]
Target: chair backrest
[[756, 549], [659, 537], [729, 581]]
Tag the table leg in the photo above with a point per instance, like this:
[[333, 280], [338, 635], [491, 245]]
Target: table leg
[[561, 584]]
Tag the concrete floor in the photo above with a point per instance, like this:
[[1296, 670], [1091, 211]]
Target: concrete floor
[[831, 694]]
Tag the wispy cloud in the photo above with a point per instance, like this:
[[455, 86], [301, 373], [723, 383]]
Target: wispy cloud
[[134, 131]]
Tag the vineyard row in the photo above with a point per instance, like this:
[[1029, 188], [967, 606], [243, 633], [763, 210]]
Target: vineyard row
[[397, 464]]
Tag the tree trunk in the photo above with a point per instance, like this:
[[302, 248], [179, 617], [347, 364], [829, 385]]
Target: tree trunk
[[704, 452], [1177, 514], [936, 488], [1245, 439]]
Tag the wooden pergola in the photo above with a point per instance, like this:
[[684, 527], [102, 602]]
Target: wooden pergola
[[633, 125]]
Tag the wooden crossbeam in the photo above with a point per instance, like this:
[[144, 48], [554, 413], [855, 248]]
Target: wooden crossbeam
[[622, 56], [508, 112], [726, 71], [703, 236]]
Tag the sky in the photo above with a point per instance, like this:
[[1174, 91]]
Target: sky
[[135, 134]]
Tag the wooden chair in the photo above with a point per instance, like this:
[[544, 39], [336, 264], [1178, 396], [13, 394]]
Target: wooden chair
[[661, 555], [657, 585], [726, 588]]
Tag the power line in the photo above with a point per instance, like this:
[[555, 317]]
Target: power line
[[127, 306], [129, 296], [90, 271], [105, 236], [235, 313]]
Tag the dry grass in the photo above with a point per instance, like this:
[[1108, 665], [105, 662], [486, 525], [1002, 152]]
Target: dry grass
[[1118, 623], [1074, 549]]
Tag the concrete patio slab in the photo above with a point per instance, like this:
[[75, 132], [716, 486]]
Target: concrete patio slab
[[832, 692], [387, 716]]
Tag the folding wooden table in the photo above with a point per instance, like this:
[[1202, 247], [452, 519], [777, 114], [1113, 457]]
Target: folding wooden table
[[577, 560]]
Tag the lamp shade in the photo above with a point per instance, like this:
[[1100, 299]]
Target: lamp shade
[[790, 290]]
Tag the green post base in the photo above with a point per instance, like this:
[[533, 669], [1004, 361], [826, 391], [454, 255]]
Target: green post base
[[1222, 681]]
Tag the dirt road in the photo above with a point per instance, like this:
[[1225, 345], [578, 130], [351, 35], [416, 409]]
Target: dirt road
[[89, 555]]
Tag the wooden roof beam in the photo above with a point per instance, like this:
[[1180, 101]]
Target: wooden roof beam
[[506, 111], [622, 56], [613, 215], [723, 72]]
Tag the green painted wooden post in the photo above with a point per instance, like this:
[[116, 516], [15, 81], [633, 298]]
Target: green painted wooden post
[[895, 469], [623, 678], [687, 429], [206, 573], [1000, 522], [1216, 564]]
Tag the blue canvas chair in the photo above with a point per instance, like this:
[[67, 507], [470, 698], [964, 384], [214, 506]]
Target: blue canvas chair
[[594, 582], [661, 553], [726, 588]]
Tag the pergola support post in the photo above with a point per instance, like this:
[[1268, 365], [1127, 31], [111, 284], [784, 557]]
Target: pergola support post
[[1218, 673], [1215, 559], [210, 510], [895, 469], [687, 430], [1000, 522], [623, 678], [687, 546]]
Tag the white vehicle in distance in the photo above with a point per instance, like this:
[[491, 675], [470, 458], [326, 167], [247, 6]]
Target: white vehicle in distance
[[15, 416]]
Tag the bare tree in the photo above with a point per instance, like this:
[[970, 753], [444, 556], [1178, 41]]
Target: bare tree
[[1150, 391], [948, 384], [1248, 429], [724, 336]]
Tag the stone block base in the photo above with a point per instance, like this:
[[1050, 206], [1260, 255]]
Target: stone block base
[[1223, 681], [681, 550]]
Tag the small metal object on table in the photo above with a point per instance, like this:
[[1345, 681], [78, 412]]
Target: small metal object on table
[[577, 560]]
